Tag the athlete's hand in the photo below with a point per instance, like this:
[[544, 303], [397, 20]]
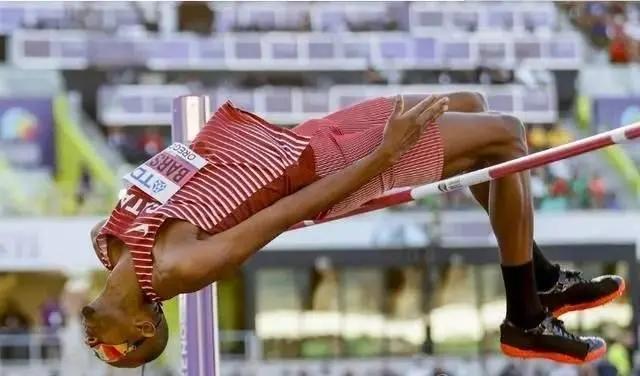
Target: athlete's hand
[[403, 130]]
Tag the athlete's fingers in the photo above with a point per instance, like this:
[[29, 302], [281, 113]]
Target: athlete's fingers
[[433, 112], [398, 106], [427, 119], [436, 117], [416, 110]]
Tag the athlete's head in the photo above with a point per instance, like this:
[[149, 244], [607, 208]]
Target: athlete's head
[[124, 336]]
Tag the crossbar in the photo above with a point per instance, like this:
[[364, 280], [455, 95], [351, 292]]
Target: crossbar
[[572, 149]]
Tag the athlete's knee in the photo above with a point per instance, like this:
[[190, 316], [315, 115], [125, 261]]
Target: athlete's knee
[[513, 137], [508, 139], [474, 101], [467, 101]]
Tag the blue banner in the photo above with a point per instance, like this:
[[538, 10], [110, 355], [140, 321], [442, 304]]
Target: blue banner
[[613, 112], [27, 132]]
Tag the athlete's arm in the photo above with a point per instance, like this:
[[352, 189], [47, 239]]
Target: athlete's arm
[[209, 258]]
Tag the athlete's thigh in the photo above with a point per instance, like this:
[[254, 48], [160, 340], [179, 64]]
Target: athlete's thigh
[[467, 137], [453, 144]]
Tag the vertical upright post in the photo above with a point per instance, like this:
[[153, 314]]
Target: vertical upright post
[[198, 311]]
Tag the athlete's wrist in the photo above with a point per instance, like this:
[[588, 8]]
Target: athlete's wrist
[[385, 153]]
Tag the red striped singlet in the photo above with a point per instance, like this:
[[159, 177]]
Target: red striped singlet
[[251, 164]]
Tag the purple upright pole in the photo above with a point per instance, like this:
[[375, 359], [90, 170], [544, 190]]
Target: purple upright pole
[[198, 311]]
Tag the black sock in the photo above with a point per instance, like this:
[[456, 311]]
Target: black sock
[[523, 305], [546, 272]]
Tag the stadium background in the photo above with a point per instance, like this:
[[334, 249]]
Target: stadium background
[[85, 94]]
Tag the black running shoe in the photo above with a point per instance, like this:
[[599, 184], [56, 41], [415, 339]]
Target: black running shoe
[[550, 340], [572, 292]]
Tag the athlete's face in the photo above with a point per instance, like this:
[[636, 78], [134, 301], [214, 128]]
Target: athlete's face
[[124, 338], [108, 324]]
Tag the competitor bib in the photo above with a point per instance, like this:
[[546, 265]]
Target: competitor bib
[[163, 175]]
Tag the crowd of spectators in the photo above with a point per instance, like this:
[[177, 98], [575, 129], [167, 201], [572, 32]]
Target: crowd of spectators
[[611, 26], [558, 186], [138, 145], [17, 329]]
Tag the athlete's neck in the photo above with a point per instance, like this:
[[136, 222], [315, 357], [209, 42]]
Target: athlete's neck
[[122, 284]]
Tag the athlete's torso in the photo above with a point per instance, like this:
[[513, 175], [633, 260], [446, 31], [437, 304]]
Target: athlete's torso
[[250, 164]]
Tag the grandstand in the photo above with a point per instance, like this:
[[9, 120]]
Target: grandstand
[[85, 94]]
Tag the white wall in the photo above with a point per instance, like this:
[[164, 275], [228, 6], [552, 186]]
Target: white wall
[[64, 244]]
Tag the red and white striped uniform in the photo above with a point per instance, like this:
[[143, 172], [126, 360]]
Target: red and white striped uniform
[[248, 160], [348, 135], [252, 164]]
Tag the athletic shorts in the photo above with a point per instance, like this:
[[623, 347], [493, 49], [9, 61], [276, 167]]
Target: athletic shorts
[[345, 136]]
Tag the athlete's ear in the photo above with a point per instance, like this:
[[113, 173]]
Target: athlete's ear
[[146, 328]]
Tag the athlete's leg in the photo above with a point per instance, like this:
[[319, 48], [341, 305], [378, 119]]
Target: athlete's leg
[[458, 143], [546, 272], [467, 140], [470, 140], [561, 290]]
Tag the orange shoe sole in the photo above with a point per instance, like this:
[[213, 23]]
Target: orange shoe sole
[[579, 307], [526, 354]]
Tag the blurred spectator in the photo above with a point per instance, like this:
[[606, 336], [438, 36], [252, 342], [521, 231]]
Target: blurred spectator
[[597, 191], [618, 352], [373, 77], [52, 320], [117, 138], [13, 319], [580, 192], [557, 199], [15, 322], [559, 187], [544, 136], [196, 17], [305, 23], [51, 314], [150, 25], [557, 135], [85, 187], [620, 45], [606, 26], [151, 142], [537, 138]]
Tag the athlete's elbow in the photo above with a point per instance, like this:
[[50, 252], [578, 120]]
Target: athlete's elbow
[[190, 277], [191, 271]]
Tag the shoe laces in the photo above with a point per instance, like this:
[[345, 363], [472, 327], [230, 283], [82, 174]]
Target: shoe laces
[[557, 328], [573, 277]]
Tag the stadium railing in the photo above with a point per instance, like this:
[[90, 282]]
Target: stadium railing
[[151, 105], [303, 51], [320, 16]]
